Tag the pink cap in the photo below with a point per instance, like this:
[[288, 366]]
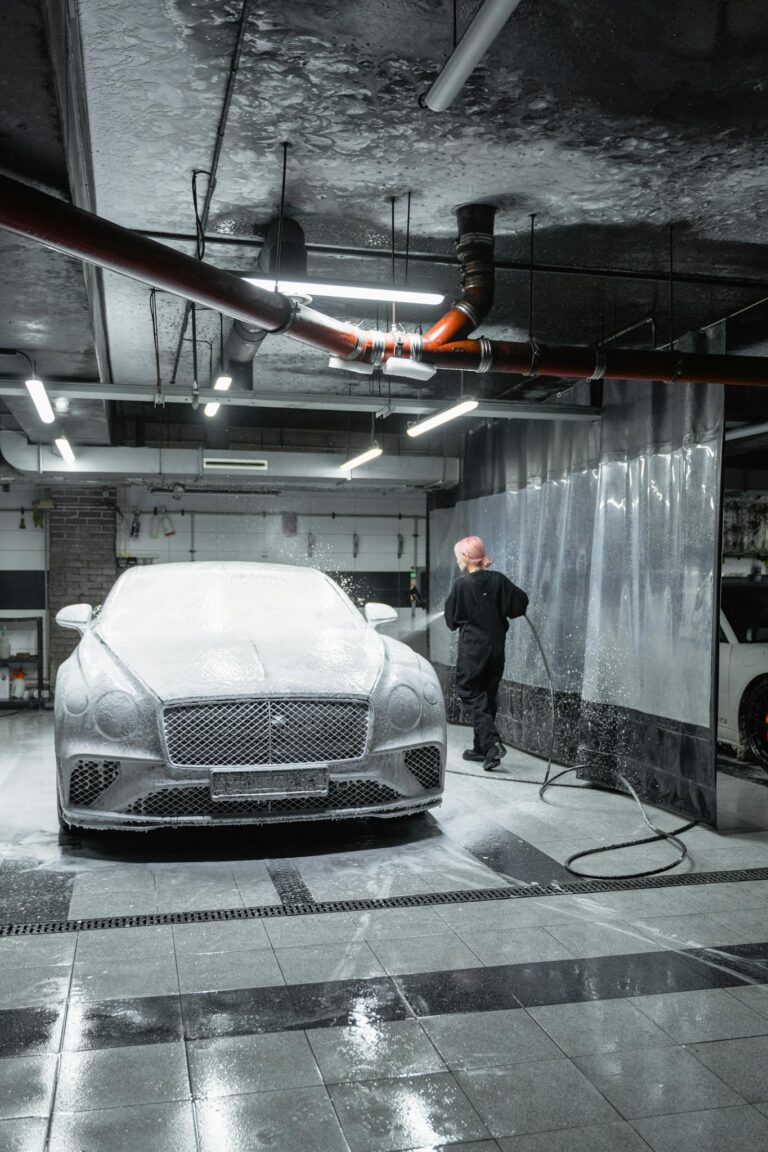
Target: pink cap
[[472, 549]]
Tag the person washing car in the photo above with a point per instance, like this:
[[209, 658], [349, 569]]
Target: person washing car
[[481, 604]]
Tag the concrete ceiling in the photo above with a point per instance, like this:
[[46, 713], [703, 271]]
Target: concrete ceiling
[[610, 121]]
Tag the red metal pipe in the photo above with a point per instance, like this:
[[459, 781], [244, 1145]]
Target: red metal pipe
[[59, 225]]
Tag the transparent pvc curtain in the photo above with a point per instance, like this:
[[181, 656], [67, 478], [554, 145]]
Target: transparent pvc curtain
[[648, 672], [538, 530]]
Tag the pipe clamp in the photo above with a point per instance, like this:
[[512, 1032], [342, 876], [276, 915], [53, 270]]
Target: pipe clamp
[[601, 363], [486, 355]]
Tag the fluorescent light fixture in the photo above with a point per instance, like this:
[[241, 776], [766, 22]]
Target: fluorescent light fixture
[[233, 464], [410, 369], [481, 33], [222, 383], [211, 409], [65, 449], [37, 391], [363, 458], [346, 291], [439, 418], [61, 404]]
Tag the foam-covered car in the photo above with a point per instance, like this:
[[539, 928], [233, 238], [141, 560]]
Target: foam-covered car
[[743, 680], [241, 693]]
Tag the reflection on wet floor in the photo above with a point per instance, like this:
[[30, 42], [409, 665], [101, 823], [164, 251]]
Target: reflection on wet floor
[[599, 1021]]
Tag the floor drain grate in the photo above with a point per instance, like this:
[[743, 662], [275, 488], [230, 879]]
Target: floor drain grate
[[422, 900]]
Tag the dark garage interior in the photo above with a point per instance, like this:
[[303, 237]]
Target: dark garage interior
[[383, 576]]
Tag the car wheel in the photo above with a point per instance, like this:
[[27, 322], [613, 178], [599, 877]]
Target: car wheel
[[754, 721]]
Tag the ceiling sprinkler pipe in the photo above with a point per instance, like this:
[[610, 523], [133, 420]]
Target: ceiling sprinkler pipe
[[468, 53]]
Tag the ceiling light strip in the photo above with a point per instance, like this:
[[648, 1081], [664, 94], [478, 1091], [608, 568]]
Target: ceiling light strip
[[460, 409]]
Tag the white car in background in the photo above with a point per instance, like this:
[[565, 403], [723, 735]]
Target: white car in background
[[743, 685], [239, 693]]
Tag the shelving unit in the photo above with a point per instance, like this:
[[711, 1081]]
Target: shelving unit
[[33, 660]]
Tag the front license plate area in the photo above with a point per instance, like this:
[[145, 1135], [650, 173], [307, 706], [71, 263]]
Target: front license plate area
[[269, 783]]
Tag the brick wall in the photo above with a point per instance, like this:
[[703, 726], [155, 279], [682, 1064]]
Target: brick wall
[[81, 562]]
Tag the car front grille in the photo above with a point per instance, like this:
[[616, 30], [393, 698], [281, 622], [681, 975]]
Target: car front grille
[[252, 732], [195, 800], [424, 764], [89, 779]]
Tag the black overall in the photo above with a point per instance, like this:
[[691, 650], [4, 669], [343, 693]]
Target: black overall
[[481, 604]]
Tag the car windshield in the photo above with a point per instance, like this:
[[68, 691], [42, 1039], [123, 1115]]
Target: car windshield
[[745, 604], [207, 600]]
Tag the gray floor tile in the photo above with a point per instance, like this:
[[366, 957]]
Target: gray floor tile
[[374, 1052], [741, 1063], [485, 1039], [755, 996], [714, 898], [709, 1014], [382, 1115], [697, 930], [618, 1137], [191, 896], [501, 915], [516, 946], [397, 923], [745, 925], [38, 987], [644, 903], [522, 1098], [221, 936], [36, 951], [167, 1127], [119, 945], [618, 938], [105, 980], [118, 1077], [123, 880], [258, 893], [217, 971], [321, 962], [324, 928], [235, 1065], [739, 1129], [26, 1086], [655, 1082], [89, 904], [599, 1026], [303, 1118], [27, 1135], [425, 954]]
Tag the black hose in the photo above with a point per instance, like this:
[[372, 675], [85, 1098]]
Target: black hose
[[549, 781]]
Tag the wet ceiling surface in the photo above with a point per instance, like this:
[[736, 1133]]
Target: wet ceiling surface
[[611, 123]]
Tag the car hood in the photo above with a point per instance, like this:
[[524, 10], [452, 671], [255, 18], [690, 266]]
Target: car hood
[[331, 662]]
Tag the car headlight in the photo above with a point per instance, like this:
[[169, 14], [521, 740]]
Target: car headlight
[[404, 707], [116, 715]]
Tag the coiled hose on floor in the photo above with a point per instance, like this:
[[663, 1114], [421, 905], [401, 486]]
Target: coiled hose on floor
[[550, 781]]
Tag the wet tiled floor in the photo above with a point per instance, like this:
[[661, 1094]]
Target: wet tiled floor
[[603, 1022]]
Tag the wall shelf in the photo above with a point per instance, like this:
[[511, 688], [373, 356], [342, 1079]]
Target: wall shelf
[[32, 658]]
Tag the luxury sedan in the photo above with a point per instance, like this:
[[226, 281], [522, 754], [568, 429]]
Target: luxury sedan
[[239, 693], [743, 684]]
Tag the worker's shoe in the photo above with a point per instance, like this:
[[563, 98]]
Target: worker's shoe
[[474, 755], [494, 756]]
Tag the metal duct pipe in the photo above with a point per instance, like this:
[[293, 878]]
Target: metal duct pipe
[[58, 225], [244, 340], [468, 53], [474, 250]]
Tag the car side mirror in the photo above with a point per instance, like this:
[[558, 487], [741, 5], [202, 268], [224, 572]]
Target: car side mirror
[[378, 615], [75, 616]]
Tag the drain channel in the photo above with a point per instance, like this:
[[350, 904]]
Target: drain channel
[[422, 900]]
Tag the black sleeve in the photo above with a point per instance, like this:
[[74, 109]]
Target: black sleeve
[[515, 601], [451, 606]]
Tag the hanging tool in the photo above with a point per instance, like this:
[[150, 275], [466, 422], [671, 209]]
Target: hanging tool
[[135, 531], [166, 524], [154, 525]]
